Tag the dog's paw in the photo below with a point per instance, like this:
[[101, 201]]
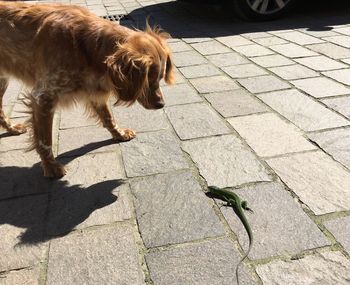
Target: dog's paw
[[17, 129], [54, 170], [124, 135]]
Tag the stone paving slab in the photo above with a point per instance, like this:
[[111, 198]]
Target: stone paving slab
[[139, 119], [253, 50], [270, 41], [210, 47], [235, 103], [321, 87], [320, 63], [336, 143], [234, 41], [22, 232], [307, 114], [291, 72], [188, 58], [342, 76], [331, 50], [310, 176], [244, 70], [78, 141], [264, 83], [13, 90], [213, 84], [19, 277], [225, 161], [227, 59], [152, 153], [299, 38], [292, 50], [19, 177], [268, 135], [76, 207], [341, 104], [207, 263], [199, 71], [279, 224], [272, 60], [320, 268], [340, 228], [76, 117], [195, 121], [180, 94], [104, 256], [172, 209], [343, 41]]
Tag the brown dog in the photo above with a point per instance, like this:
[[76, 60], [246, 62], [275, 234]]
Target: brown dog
[[67, 54]]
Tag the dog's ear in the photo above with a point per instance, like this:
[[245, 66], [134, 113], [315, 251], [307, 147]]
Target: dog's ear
[[128, 70], [169, 70]]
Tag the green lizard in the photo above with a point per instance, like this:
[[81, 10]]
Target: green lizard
[[238, 206]]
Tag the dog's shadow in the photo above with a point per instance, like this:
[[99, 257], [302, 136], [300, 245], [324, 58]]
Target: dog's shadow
[[44, 208]]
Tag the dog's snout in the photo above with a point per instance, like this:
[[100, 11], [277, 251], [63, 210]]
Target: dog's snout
[[159, 105]]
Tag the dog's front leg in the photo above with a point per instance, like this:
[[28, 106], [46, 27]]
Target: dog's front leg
[[105, 116], [4, 121], [42, 104]]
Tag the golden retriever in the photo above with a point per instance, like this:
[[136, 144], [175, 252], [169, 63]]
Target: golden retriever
[[66, 54]]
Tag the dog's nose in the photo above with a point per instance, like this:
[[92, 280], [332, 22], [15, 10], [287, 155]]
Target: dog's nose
[[159, 104]]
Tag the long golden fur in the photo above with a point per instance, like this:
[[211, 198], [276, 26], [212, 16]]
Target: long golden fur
[[67, 54]]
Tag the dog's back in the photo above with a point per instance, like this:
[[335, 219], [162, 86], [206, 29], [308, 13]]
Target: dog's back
[[30, 36]]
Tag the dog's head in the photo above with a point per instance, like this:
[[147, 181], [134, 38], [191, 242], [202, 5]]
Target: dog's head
[[137, 67]]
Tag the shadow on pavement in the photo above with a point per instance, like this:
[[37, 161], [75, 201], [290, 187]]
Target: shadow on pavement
[[46, 208], [186, 20]]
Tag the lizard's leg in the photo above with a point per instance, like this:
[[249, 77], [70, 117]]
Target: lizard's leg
[[4, 121], [244, 205], [105, 116]]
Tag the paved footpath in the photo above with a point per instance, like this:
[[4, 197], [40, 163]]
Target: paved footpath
[[261, 107]]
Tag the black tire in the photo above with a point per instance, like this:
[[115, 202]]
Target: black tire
[[245, 9]]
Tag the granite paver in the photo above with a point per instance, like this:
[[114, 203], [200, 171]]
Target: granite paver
[[185, 265], [24, 276], [279, 223], [320, 63], [341, 104], [151, 153], [195, 121], [342, 76], [214, 84], [336, 143], [227, 59], [321, 87], [321, 268], [310, 176], [292, 50], [102, 256], [22, 232], [268, 135], [244, 70], [180, 94], [264, 83], [225, 161], [235, 103], [306, 113], [172, 208], [340, 228], [291, 72]]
